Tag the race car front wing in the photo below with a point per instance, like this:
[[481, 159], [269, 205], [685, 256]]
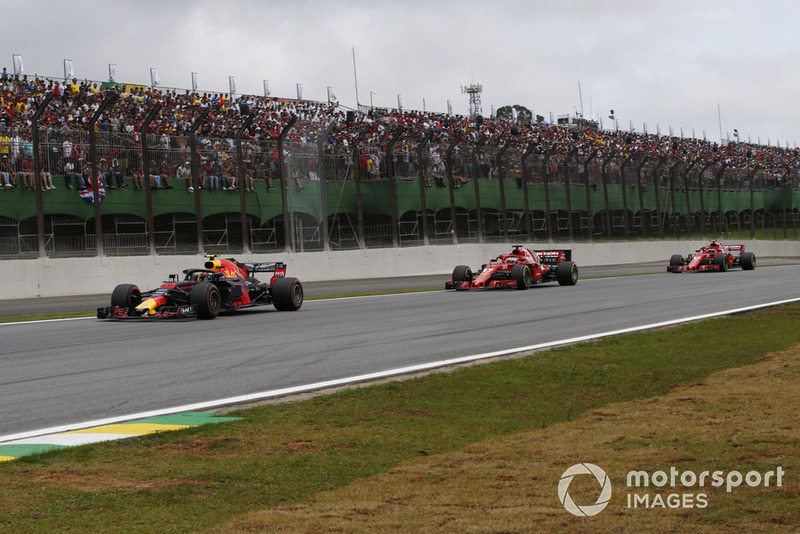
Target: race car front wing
[[164, 312]]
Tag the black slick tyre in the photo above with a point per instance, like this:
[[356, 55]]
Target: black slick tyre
[[676, 261], [721, 261], [205, 296], [521, 274], [287, 294], [462, 273], [126, 296], [748, 261], [567, 273]]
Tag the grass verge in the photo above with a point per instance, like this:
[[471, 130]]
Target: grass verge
[[285, 455]]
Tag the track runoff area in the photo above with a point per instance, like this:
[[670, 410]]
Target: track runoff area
[[16, 445]]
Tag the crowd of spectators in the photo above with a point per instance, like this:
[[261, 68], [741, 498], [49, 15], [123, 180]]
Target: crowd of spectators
[[74, 103]]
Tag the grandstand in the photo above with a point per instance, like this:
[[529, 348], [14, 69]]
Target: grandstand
[[141, 170]]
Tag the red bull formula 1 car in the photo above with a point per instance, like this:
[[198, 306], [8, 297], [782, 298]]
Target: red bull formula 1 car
[[222, 285], [714, 257], [520, 269]]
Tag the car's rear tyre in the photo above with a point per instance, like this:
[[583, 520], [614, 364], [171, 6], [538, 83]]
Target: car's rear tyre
[[567, 273], [721, 261], [521, 274], [287, 294], [205, 296], [126, 296], [748, 261]]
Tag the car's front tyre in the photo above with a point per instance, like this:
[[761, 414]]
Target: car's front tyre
[[126, 296], [461, 273], [721, 262], [521, 274], [207, 299]]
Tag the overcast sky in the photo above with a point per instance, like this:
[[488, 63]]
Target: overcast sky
[[685, 64]]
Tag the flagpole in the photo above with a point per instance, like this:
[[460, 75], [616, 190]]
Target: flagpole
[[355, 75]]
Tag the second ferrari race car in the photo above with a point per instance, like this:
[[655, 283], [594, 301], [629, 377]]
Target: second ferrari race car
[[714, 257], [520, 269], [222, 285]]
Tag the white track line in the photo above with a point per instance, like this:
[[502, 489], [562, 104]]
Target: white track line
[[377, 375]]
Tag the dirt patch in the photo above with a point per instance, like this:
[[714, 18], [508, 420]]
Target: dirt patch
[[741, 419], [101, 481]]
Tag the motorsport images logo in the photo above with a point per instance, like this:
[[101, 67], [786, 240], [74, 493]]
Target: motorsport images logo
[[666, 488], [584, 469]]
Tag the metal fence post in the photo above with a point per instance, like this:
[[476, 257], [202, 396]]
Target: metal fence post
[[476, 173], [109, 99], [589, 214], [391, 175], [151, 234], [720, 215], [198, 211], [243, 180], [37, 181], [499, 162], [609, 218], [323, 182], [674, 211], [448, 157], [702, 201], [421, 174], [641, 196], [658, 200], [625, 220], [546, 180], [288, 218], [359, 199], [568, 193], [525, 197]]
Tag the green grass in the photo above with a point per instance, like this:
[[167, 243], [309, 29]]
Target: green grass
[[197, 478]]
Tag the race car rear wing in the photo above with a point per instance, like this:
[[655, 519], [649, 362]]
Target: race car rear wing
[[734, 248], [270, 267], [553, 257]]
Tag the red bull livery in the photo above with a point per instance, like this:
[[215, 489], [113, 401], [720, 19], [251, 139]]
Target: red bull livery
[[222, 285], [520, 269], [714, 257]]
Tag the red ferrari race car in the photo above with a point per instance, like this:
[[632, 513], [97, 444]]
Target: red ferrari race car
[[520, 269], [222, 285], [714, 257]]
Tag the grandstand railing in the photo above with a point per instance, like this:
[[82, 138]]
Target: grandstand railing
[[320, 186]]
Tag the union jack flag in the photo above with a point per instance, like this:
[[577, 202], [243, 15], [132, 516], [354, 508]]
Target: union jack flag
[[87, 193]]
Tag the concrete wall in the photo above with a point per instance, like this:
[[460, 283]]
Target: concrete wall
[[48, 277]]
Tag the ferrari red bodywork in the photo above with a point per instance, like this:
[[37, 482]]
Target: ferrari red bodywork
[[714, 257], [519, 269]]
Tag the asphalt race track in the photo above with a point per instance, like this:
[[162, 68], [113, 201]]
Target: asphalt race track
[[62, 372]]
